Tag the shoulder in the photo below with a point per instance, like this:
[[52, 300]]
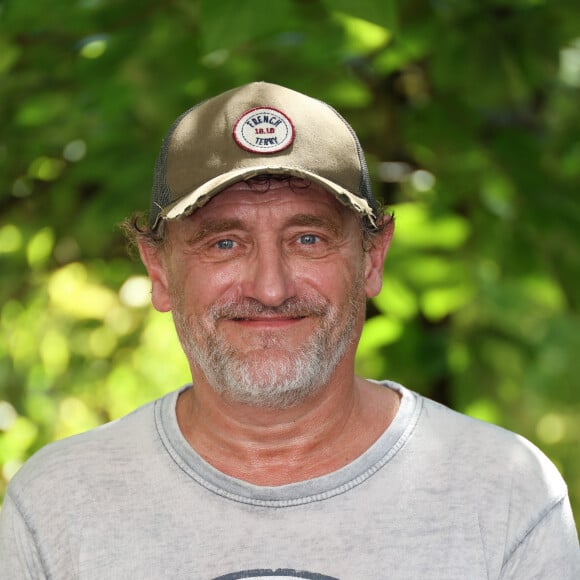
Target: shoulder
[[486, 443], [493, 464], [69, 464], [513, 483], [505, 483]]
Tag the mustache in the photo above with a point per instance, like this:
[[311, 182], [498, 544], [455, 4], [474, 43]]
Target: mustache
[[251, 308]]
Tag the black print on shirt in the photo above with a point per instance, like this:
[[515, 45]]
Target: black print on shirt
[[281, 574]]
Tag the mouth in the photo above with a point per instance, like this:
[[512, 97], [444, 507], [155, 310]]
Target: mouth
[[254, 315], [268, 321]]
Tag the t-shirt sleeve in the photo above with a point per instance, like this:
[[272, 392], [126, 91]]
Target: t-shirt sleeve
[[549, 550], [19, 557]]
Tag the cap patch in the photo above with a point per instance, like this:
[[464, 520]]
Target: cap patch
[[264, 130]]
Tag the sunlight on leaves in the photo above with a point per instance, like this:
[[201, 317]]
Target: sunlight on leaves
[[484, 409], [40, 247], [22, 187], [9, 54], [7, 415], [74, 150], [10, 468], [40, 109], [102, 342], [417, 229], [17, 439], [10, 239], [21, 348], [397, 299], [423, 180], [382, 13], [94, 48], [136, 291], [54, 352], [74, 417], [427, 270], [543, 291], [71, 292], [349, 94], [363, 36], [121, 320], [570, 64], [437, 303], [377, 332], [498, 194], [46, 168], [216, 58], [551, 428], [458, 357]]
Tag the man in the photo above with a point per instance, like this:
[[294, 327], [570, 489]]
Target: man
[[264, 242]]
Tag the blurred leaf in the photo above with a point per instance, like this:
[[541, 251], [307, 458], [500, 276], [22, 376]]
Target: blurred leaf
[[231, 23], [382, 13], [362, 36], [416, 228]]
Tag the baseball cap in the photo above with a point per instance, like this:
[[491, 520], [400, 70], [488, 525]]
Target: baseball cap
[[256, 129]]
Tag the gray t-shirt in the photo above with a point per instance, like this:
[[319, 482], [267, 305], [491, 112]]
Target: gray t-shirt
[[438, 496]]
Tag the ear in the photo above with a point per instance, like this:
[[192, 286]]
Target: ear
[[153, 259], [375, 258]]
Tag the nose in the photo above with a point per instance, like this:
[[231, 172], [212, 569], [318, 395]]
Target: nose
[[269, 277]]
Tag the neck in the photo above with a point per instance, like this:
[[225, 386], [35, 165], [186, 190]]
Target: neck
[[279, 446]]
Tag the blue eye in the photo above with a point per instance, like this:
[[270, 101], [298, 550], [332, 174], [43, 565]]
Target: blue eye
[[308, 239], [225, 244]]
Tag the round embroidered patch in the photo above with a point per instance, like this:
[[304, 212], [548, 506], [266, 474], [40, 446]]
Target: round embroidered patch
[[264, 130]]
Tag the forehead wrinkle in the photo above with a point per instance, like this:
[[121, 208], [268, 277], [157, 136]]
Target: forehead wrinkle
[[210, 225]]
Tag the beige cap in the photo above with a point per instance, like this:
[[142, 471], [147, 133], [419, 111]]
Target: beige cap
[[257, 129]]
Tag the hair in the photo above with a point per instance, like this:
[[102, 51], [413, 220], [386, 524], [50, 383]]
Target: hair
[[137, 227]]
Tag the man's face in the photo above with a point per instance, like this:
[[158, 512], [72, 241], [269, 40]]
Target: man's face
[[267, 290]]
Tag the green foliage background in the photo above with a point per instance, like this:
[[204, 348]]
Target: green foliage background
[[468, 112]]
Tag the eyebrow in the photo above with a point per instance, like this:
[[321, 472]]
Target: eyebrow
[[211, 227], [310, 220]]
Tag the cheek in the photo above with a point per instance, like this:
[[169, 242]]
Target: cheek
[[334, 280], [224, 278], [206, 285]]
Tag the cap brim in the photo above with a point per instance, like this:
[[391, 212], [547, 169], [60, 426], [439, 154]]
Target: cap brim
[[200, 196]]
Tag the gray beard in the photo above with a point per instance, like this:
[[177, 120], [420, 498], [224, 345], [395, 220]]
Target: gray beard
[[258, 379]]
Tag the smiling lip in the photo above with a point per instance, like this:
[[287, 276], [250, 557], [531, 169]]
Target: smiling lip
[[269, 321]]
